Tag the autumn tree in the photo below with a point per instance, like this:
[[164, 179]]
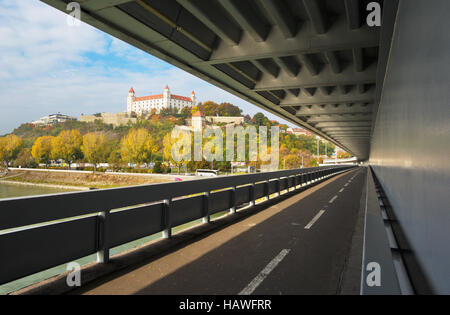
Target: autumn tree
[[67, 146], [95, 148], [10, 147], [227, 109], [42, 149], [292, 161], [168, 143], [25, 159], [137, 146], [115, 160]]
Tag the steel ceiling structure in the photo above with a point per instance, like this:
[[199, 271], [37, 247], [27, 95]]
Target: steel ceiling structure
[[311, 62]]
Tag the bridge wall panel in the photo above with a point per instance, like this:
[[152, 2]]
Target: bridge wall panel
[[31, 250], [410, 145]]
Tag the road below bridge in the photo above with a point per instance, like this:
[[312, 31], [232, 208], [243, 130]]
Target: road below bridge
[[300, 245]]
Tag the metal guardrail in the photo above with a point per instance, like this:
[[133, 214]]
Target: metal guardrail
[[46, 231], [379, 256]]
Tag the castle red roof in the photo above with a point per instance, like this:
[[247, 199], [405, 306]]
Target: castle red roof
[[181, 98], [147, 98], [197, 114], [131, 90], [158, 96]]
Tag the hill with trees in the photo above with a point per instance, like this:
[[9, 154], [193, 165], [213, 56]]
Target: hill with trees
[[143, 143]]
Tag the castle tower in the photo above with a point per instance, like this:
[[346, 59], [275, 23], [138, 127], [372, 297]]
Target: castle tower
[[193, 98], [130, 100], [166, 97], [198, 120]]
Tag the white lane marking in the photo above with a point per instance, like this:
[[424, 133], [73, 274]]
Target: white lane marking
[[333, 199], [346, 185], [342, 189], [264, 273], [318, 215]]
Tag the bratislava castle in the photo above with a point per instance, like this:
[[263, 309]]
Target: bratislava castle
[[145, 104]]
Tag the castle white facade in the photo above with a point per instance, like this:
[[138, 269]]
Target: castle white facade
[[145, 104]]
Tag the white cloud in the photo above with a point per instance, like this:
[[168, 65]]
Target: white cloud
[[47, 66]]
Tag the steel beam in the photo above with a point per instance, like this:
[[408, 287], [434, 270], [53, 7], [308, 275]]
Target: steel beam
[[305, 42], [214, 20], [340, 118], [330, 98], [352, 12], [281, 16], [242, 12], [330, 109], [343, 124], [316, 15], [326, 78]]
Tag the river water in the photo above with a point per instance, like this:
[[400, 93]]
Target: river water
[[13, 190]]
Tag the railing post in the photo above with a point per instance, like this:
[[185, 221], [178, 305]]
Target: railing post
[[252, 194], [266, 190], [233, 200], [279, 187], [103, 250], [207, 217], [167, 233]]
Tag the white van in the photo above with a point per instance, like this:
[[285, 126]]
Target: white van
[[207, 173]]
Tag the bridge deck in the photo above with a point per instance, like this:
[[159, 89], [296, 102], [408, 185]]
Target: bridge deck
[[291, 247]]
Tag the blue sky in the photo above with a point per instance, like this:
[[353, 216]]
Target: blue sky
[[46, 66]]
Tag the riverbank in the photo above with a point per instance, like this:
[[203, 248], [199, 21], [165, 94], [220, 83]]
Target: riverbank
[[77, 180]]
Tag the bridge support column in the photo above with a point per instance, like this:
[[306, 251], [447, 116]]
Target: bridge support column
[[167, 233], [279, 187], [233, 200], [207, 217], [252, 194], [103, 250], [266, 190]]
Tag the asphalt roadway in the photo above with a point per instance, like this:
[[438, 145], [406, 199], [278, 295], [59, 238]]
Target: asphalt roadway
[[300, 245]]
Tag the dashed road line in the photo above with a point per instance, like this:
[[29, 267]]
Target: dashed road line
[[251, 287], [333, 199], [342, 189], [314, 220]]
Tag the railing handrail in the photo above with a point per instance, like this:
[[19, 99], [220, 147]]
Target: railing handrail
[[150, 209], [22, 211]]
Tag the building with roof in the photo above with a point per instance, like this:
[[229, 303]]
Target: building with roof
[[145, 104], [109, 118], [298, 131], [52, 119]]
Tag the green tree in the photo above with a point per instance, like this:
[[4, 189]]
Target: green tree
[[42, 149], [137, 146], [227, 109], [95, 148], [67, 146], [10, 147]]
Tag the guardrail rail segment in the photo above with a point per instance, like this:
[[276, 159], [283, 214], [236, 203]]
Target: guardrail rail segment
[[38, 233]]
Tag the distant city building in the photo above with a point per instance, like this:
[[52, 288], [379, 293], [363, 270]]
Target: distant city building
[[145, 104], [298, 131], [233, 120], [198, 120], [109, 118], [52, 119]]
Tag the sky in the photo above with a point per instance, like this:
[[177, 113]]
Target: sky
[[47, 66]]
